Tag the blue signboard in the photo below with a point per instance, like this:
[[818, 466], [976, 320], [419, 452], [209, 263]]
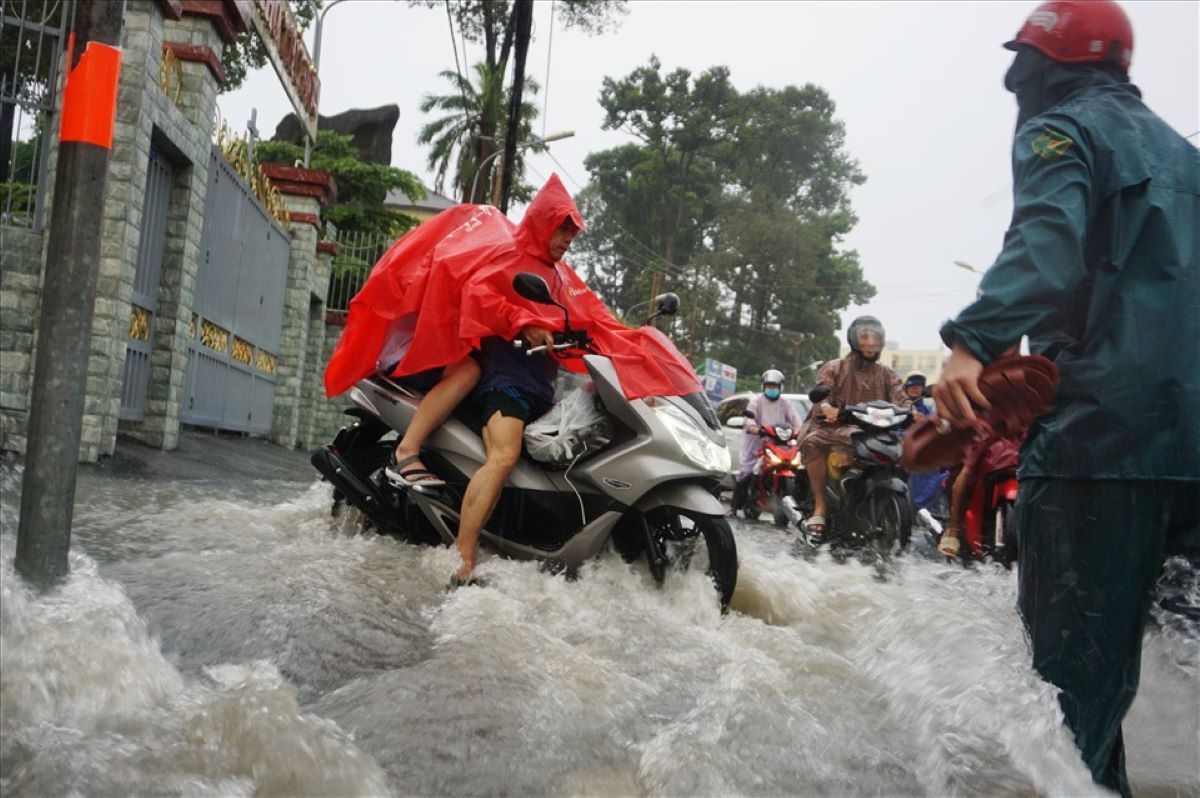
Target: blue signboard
[[720, 380]]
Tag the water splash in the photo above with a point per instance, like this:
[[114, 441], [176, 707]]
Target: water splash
[[218, 642]]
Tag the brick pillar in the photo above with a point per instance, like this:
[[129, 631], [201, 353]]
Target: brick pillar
[[177, 124], [305, 192], [312, 434], [123, 212]]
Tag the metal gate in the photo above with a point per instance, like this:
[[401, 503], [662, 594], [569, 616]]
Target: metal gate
[[237, 312], [138, 345]]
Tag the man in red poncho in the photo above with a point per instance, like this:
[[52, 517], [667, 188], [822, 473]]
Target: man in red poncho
[[444, 293]]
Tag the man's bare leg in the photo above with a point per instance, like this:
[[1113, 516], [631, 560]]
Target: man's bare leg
[[502, 440], [436, 406]]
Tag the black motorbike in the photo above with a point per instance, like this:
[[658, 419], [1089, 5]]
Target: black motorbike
[[868, 498]]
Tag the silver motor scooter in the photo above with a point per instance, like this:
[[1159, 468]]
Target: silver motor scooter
[[651, 490]]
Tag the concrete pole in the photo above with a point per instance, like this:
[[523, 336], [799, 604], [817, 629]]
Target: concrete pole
[[69, 294]]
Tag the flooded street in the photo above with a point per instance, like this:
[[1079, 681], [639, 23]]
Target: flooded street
[[212, 641]]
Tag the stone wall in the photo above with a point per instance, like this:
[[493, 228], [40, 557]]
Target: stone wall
[[21, 254], [180, 134], [328, 415], [178, 129], [173, 125]]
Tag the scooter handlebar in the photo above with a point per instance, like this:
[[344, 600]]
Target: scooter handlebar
[[569, 339]]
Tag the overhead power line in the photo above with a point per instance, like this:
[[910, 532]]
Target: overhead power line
[[546, 92], [457, 66]]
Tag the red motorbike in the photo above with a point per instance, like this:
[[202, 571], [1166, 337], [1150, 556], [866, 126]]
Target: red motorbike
[[990, 526], [774, 474]]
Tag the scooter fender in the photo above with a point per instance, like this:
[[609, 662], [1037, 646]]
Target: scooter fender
[[682, 495], [887, 484]]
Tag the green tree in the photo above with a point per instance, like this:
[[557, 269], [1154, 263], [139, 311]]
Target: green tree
[[361, 186], [491, 23], [247, 53], [458, 140], [738, 201]]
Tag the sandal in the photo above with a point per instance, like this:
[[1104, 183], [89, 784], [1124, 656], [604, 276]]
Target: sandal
[[815, 527], [949, 547], [414, 477]]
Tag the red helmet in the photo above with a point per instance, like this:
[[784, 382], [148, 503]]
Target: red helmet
[[1079, 31]]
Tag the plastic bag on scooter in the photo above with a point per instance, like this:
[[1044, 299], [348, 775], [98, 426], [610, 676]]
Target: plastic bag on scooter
[[574, 427]]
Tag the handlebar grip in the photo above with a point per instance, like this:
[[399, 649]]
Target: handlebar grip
[[556, 347]]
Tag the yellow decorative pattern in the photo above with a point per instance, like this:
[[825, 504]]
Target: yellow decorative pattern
[[243, 351], [170, 75], [237, 153], [214, 337], [139, 323], [266, 362]]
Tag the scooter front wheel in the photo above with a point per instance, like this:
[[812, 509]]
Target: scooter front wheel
[[677, 533], [785, 488]]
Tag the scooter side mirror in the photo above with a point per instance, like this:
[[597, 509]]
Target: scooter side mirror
[[667, 304], [737, 422], [533, 288], [664, 305]]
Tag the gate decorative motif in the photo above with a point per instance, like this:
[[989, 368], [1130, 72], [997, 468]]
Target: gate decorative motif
[[237, 312]]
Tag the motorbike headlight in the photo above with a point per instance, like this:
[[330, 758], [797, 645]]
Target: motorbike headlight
[[692, 440], [774, 458]]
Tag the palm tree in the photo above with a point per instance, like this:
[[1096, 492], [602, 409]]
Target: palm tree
[[472, 130]]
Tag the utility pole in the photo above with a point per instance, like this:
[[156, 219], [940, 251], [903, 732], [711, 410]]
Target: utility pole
[[523, 13], [69, 293]]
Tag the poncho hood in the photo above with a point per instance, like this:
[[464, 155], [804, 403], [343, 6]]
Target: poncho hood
[[544, 215]]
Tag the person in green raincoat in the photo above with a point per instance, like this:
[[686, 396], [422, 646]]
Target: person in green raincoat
[[1101, 269]]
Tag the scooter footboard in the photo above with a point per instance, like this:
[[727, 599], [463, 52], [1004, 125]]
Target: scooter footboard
[[684, 496]]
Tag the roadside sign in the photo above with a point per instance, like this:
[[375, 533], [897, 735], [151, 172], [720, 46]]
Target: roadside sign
[[719, 379]]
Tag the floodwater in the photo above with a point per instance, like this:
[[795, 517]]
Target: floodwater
[[211, 642]]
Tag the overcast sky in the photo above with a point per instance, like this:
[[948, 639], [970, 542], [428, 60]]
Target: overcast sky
[[918, 86]]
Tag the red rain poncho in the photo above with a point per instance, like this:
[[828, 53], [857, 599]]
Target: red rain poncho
[[448, 284]]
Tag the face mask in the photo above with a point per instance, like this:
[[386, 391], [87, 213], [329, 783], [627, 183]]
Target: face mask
[[771, 393]]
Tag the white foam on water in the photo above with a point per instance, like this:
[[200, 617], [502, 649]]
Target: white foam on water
[[89, 705], [210, 644]]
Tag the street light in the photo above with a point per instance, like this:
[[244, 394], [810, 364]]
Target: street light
[[316, 56], [964, 265], [562, 134]]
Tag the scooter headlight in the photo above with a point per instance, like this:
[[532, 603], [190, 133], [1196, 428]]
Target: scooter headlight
[[692, 440]]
